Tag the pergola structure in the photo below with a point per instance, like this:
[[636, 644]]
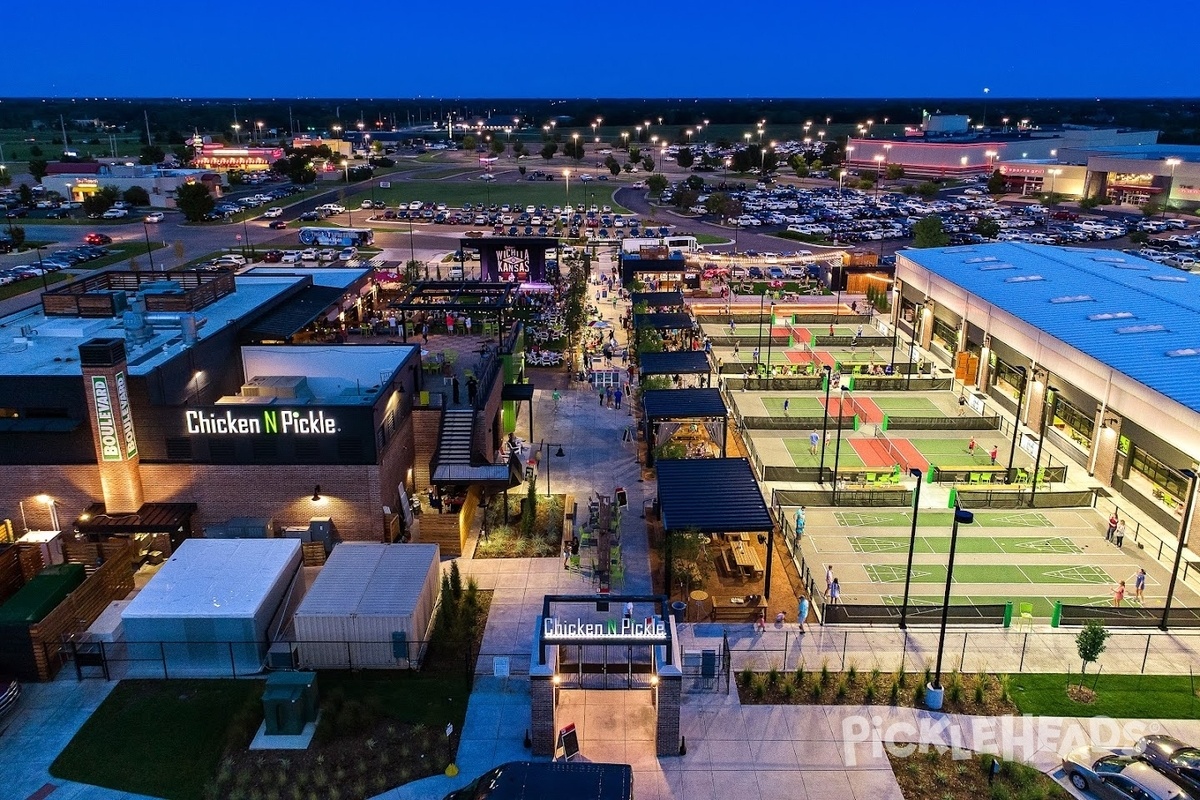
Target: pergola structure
[[680, 362], [683, 406], [663, 322], [471, 297]]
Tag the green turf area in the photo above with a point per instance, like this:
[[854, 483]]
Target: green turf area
[[124, 250], [455, 193], [908, 406], [135, 742], [708, 238], [990, 573], [1043, 607], [797, 406], [31, 284], [1117, 696], [1021, 545], [986, 519], [798, 450]]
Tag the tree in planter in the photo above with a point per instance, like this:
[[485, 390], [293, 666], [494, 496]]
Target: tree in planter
[[548, 150], [928, 232], [498, 147], [614, 166], [1150, 209], [468, 143], [412, 270], [136, 195], [689, 558], [1090, 643], [927, 190], [648, 164]]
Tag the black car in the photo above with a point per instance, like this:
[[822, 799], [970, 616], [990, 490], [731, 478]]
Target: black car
[[309, 216], [19, 211], [277, 224], [56, 213], [1177, 760]]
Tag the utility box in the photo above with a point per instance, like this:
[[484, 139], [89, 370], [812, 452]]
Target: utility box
[[289, 702]]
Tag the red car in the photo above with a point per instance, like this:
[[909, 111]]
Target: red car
[[273, 256], [98, 238], [277, 224]]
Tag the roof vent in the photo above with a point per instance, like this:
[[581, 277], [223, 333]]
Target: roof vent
[[1109, 259], [980, 259], [1111, 315], [1184, 352], [993, 267], [1024, 279], [1151, 328], [1133, 265], [1168, 278], [1072, 298]]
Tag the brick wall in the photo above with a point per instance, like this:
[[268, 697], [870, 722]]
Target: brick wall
[[487, 423], [73, 488], [541, 698], [670, 695], [427, 427]]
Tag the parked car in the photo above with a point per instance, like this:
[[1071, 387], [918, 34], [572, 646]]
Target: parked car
[[272, 213], [348, 254], [155, 216], [310, 216], [230, 260], [309, 254], [1177, 760], [1117, 775], [273, 256], [115, 213]]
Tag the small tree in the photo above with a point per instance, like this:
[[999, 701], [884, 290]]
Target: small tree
[[927, 190], [136, 195], [151, 154], [38, 167], [1148, 210], [895, 172], [689, 558], [928, 232], [1090, 643], [996, 184], [413, 269], [18, 236], [648, 164], [194, 200], [25, 193], [498, 147], [613, 165], [657, 184], [468, 143], [548, 150], [529, 516], [800, 167], [35, 151], [685, 157], [987, 228]]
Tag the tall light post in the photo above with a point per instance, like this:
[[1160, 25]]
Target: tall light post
[[237, 132], [625, 140], [1012, 448], [575, 141], [887, 154], [337, 131], [1184, 525], [259, 126], [770, 337], [878, 173], [1172, 163], [149, 252], [934, 692], [837, 450], [1047, 414], [849, 157], [762, 161], [726, 164], [825, 423], [51, 507], [567, 180], [638, 130], [1053, 173], [991, 156], [912, 543]]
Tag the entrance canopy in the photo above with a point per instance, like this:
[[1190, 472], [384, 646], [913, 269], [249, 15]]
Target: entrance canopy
[[658, 299], [575, 619], [718, 495], [671, 404], [680, 362]]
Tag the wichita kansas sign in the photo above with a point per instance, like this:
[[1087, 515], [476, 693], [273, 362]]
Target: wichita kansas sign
[[267, 421], [651, 629]]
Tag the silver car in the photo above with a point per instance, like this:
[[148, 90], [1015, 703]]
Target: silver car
[[1118, 775]]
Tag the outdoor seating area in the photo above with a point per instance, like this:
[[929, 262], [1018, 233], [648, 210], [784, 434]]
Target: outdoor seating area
[[597, 553]]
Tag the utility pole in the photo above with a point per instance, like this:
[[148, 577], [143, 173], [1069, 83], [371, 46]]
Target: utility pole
[[146, 116], [63, 126]]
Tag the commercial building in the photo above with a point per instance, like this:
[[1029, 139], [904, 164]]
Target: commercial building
[[155, 404], [1104, 344], [78, 180], [222, 158]]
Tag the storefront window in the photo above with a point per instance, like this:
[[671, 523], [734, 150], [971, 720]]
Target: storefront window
[[1076, 425], [1167, 484], [1008, 380], [945, 334]]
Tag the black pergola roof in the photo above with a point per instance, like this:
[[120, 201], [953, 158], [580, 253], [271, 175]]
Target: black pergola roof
[[292, 317], [150, 518], [664, 321], [457, 296], [662, 404], [711, 495], [517, 391], [494, 242], [658, 299], [680, 362]]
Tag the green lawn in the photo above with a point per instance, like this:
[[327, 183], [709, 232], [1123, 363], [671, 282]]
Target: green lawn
[[848, 459], [161, 738], [124, 250], [30, 285], [503, 190], [708, 238], [1123, 696]]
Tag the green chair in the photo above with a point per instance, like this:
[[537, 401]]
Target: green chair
[[617, 573], [1025, 611], [871, 477], [975, 477], [573, 561]]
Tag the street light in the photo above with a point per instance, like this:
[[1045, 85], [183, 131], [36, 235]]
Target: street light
[[878, 173], [825, 424], [1053, 173], [149, 253], [991, 155], [625, 140], [237, 132], [1012, 449], [1172, 163], [567, 179], [259, 126], [337, 131], [912, 543], [770, 336], [346, 166], [51, 506], [837, 450], [934, 692]]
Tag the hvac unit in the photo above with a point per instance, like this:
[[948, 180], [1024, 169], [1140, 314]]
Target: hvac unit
[[281, 655]]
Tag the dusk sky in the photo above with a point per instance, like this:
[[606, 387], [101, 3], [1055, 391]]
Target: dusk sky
[[468, 48]]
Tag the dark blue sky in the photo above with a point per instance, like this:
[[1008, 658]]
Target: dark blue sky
[[611, 48]]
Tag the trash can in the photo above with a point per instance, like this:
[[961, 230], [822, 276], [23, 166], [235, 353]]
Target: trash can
[[678, 610]]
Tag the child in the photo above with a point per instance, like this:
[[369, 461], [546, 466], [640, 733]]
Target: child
[[971, 447], [1119, 594], [761, 625]]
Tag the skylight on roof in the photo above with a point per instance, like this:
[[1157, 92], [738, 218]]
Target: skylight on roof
[[980, 259], [1133, 265], [1110, 315], [1109, 259], [996, 265], [1150, 328], [1168, 278], [1183, 352], [1024, 279], [1072, 298]]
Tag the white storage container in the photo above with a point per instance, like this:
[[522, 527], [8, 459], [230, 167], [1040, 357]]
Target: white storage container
[[370, 607]]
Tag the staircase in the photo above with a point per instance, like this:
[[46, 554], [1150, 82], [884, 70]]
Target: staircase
[[454, 446]]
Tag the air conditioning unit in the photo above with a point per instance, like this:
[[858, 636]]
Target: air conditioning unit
[[282, 655]]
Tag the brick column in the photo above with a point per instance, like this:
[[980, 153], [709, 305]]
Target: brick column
[[111, 418], [1104, 446], [927, 324], [1035, 399], [670, 696], [542, 698]]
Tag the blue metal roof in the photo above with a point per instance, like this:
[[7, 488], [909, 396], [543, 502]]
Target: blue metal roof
[[684, 404], [1137, 317], [677, 362], [711, 495]]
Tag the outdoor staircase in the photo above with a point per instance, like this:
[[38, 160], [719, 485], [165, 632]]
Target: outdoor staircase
[[454, 447]]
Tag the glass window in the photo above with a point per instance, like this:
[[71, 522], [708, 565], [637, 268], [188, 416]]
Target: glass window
[[945, 333], [1077, 425], [1007, 379], [1158, 473]]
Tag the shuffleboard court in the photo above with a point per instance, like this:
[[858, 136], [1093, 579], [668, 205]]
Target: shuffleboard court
[[994, 573], [938, 518], [1004, 545]]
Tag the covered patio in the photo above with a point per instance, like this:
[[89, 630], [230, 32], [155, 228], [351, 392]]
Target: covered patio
[[696, 418]]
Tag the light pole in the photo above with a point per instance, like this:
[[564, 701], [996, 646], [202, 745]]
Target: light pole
[[50, 505], [149, 252], [337, 131], [1037, 460], [770, 337], [1172, 163], [878, 174], [837, 450], [825, 424], [625, 140], [1012, 449], [935, 697], [560, 454], [346, 167], [758, 350], [887, 154], [567, 180], [1053, 173], [259, 126], [237, 132], [1184, 525], [912, 543]]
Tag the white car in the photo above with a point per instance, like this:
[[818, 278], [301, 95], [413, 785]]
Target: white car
[[308, 254], [155, 216], [487, 176], [415, 205], [327, 255], [585, 177], [272, 213], [366, 204], [115, 213], [348, 254], [290, 257], [230, 260]]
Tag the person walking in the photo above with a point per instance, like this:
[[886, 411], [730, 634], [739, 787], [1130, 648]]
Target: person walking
[[602, 397], [786, 403], [962, 404], [761, 624], [835, 592], [1119, 594], [1113, 521], [473, 390], [802, 615], [1119, 533], [993, 453], [1139, 585], [971, 447], [814, 440], [467, 325], [617, 398], [454, 387], [425, 333], [828, 579], [732, 327]]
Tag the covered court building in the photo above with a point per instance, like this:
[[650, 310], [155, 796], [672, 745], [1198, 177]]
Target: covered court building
[[1106, 344]]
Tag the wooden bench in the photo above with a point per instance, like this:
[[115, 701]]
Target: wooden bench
[[568, 525], [725, 611], [725, 563]]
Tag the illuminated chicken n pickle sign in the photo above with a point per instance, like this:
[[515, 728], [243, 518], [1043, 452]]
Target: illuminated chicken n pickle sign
[[268, 421]]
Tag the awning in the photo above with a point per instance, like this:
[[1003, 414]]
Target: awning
[[294, 315], [669, 321], [662, 404], [150, 518], [711, 495], [517, 391], [658, 299], [681, 362]]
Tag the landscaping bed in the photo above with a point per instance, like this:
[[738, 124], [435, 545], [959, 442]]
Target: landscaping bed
[[515, 537], [949, 774]]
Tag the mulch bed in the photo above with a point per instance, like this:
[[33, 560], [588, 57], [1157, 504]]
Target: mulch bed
[[507, 539], [937, 774], [965, 694]]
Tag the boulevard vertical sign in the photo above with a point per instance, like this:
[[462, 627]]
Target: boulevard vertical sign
[[106, 421], [131, 448]]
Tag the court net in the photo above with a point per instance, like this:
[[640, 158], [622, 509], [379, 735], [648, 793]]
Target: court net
[[892, 450]]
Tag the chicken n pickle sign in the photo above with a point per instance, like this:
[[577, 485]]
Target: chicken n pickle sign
[[227, 422], [117, 441]]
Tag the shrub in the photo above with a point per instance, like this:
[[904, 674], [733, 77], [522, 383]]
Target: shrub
[[759, 689], [869, 692], [1005, 688], [894, 694], [773, 676], [919, 694], [841, 689], [823, 680], [800, 677], [747, 676], [851, 673], [789, 689]]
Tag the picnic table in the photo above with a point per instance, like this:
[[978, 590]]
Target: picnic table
[[746, 558]]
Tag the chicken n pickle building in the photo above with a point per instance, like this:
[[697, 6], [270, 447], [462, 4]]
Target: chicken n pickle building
[[148, 399]]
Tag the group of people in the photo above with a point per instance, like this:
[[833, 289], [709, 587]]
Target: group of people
[[611, 396], [1116, 530]]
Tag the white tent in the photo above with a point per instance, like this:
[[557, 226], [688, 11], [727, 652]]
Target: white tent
[[370, 607], [211, 607]]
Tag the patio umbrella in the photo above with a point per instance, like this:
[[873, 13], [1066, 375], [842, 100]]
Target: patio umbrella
[[600, 323]]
